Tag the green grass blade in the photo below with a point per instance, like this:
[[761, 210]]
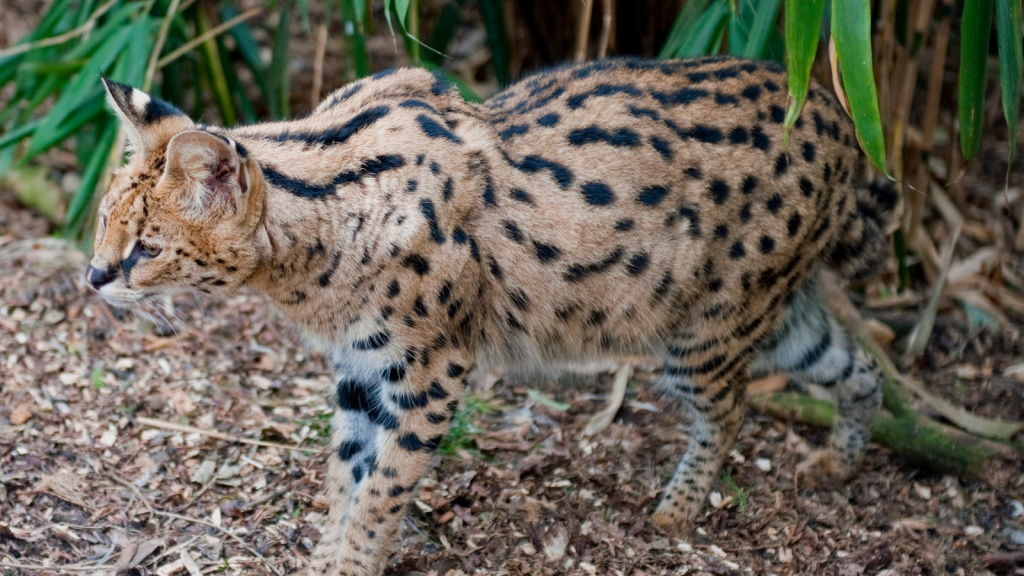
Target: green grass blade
[[443, 33], [304, 15], [683, 27], [975, 30], [215, 72], [15, 135], [851, 29], [706, 34], [803, 28], [278, 75], [90, 177], [765, 15], [497, 40], [83, 87], [250, 52], [1011, 65]]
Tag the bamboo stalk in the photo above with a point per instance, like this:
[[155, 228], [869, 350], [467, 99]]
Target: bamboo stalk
[[218, 435], [209, 34], [583, 31]]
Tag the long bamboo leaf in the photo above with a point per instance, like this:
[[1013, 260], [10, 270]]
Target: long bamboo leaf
[[90, 177], [851, 29], [761, 28], [1011, 65], [279, 64], [707, 32], [84, 86], [683, 27], [497, 39], [803, 27], [975, 30]]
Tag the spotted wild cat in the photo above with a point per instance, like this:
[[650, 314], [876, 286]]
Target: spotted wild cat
[[591, 211]]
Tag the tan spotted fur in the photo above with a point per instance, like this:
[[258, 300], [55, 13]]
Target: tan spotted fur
[[592, 211]]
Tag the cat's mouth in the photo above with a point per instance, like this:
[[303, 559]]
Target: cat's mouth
[[121, 297]]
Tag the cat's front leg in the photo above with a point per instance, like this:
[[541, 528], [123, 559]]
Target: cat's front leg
[[389, 423]]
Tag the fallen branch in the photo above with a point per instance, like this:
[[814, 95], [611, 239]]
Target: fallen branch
[[918, 440], [895, 395], [218, 435]]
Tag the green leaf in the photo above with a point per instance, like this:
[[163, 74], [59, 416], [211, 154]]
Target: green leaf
[[250, 51], [84, 86], [683, 27], [90, 177], [1011, 65], [443, 33], [278, 76], [497, 40], [539, 397], [767, 12], [851, 29], [803, 27], [975, 29], [705, 35], [352, 21]]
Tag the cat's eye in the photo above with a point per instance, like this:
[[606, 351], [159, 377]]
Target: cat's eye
[[151, 251]]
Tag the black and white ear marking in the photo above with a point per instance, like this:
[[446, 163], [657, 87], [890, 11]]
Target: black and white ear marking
[[137, 111]]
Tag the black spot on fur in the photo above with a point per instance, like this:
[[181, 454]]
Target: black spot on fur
[[512, 231], [760, 140], [719, 191], [652, 195], [739, 135], [349, 449], [777, 113], [577, 100], [417, 263], [624, 225], [643, 112], [751, 92], [546, 252], [793, 226], [806, 188], [809, 151], [662, 146], [444, 293], [393, 289], [681, 96], [781, 164], [721, 231], [373, 342], [774, 203], [577, 272], [749, 184], [637, 264], [548, 120], [427, 209], [434, 130], [419, 307], [521, 195], [533, 164], [623, 137], [597, 193], [767, 244], [512, 131], [737, 251]]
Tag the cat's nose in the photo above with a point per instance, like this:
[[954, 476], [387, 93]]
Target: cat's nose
[[98, 278]]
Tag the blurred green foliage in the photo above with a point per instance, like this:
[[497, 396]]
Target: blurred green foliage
[[176, 49]]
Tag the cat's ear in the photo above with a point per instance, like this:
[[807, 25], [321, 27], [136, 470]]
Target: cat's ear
[[141, 115], [206, 173]]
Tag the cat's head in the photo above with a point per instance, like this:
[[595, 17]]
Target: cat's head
[[181, 214]]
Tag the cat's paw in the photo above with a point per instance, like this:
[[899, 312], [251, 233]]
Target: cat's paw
[[825, 466]]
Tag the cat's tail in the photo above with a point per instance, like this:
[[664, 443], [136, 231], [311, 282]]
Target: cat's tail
[[861, 247]]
